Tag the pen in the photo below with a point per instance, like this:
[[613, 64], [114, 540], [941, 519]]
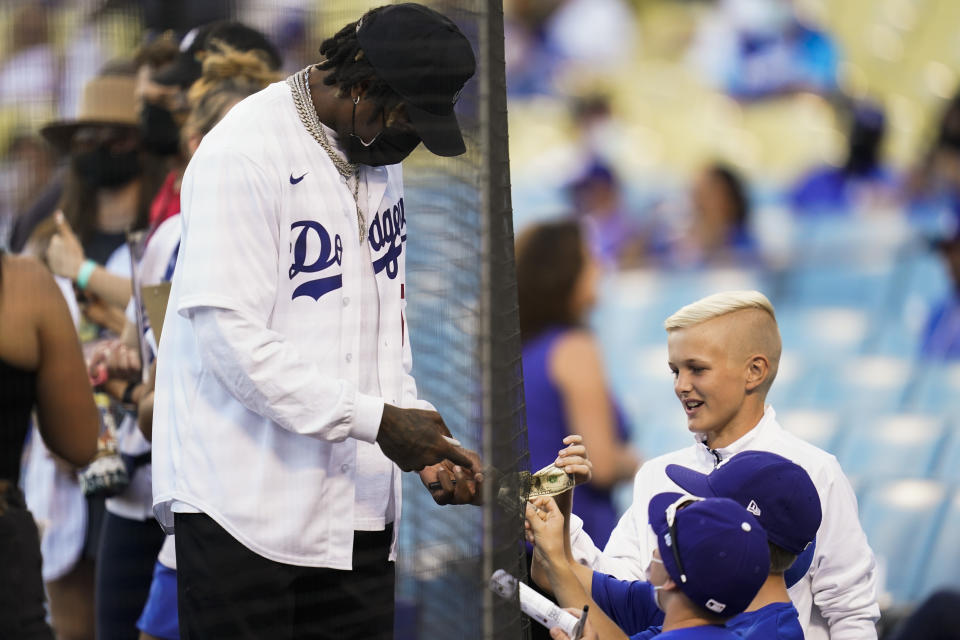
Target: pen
[[578, 630]]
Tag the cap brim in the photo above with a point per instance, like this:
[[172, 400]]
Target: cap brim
[[800, 566], [693, 482], [184, 71], [657, 510], [440, 134]]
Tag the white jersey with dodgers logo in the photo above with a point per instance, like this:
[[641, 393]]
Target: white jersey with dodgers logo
[[270, 233]]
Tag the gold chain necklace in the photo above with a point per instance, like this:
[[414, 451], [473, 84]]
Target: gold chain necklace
[[299, 83]]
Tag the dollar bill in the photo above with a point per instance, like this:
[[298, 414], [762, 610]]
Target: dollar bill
[[550, 481], [514, 487]]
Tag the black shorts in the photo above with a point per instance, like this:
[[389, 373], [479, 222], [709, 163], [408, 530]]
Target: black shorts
[[224, 590], [22, 613]]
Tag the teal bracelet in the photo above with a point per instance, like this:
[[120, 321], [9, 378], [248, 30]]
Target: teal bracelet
[[83, 275]]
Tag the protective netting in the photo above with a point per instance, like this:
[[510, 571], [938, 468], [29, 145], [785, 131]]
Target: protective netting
[[461, 288]]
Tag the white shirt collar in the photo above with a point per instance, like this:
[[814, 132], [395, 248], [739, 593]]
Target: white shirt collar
[[767, 424]]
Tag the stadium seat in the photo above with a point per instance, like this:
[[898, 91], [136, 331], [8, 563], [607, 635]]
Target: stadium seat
[[903, 445], [948, 464], [819, 428], [873, 384], [901, 518], [942, 565], [936, 387], [827, 331]]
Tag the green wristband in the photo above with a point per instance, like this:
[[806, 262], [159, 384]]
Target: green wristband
[[83, 275]]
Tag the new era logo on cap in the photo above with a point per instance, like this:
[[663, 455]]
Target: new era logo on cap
[[753, 508]]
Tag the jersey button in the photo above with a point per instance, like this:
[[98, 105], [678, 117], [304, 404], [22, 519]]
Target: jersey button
[[349, 357], [344, 468], [346, 301]]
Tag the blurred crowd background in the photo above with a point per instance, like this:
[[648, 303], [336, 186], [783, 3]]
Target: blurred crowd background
[[808, 149]]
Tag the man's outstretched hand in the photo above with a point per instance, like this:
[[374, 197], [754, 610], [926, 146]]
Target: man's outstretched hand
[[414, 439], [452, 484]]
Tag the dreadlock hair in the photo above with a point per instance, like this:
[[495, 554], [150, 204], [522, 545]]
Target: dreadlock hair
[[349, 67]]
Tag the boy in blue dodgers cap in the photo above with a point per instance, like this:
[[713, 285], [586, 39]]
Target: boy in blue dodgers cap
[[785, 501], [724, 352], [711, 558]]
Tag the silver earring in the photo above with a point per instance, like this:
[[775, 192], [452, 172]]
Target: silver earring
[[356, 100]]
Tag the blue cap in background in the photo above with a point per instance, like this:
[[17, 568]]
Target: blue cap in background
[[778, 492]]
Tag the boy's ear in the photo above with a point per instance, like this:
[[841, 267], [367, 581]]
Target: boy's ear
[[758, 370]]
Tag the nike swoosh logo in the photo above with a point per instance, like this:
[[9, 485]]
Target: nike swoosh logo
[[296, 180]]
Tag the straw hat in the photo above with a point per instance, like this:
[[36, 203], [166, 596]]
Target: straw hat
[[107, 100]]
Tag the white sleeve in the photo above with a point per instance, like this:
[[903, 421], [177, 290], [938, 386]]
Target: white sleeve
[[625, 556], [266, 374], [844, 575], [585, 551]]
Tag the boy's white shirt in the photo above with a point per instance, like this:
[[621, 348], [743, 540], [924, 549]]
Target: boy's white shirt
[[836, 600]]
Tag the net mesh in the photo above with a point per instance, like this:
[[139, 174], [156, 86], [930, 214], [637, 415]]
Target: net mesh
[[461, 289]]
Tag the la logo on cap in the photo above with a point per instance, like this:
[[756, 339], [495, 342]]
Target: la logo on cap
[[753, 508], [715, 606]]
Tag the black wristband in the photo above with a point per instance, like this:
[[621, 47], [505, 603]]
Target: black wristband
[[128, 392]]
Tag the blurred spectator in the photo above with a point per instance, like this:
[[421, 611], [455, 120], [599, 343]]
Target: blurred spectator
[[599, 203], [165, 75], [717, 228], [41, 366], [936, 618], [545, 38], [106, 193], [934, 185], [564, 380], [862, 183], [27, 169], [941, 338], [29, 75], [756, 49], [162, 109], [530, 64]]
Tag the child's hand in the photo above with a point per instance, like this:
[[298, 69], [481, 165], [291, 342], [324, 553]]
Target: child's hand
[[545, 523], [573, 459]]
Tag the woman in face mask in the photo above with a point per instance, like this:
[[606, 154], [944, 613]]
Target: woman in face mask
[[105, 195]]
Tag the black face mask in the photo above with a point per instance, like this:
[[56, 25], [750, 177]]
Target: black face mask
[[101, 168], [160, 132], [390, 146]]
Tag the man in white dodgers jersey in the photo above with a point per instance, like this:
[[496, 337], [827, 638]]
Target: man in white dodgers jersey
[[284, 405]]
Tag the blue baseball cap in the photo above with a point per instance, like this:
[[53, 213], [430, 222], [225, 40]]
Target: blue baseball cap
[[722, 550], [778, 492]]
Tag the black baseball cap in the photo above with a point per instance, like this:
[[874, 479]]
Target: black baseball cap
[[425, 58], [187, 67]]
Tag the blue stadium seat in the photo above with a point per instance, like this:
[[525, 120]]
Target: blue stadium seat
[[862, 286], [948, 464], [863, 383], [936, 387], [824, 331], [901, 518], [903, 445], [942, 566], [819, 428]]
